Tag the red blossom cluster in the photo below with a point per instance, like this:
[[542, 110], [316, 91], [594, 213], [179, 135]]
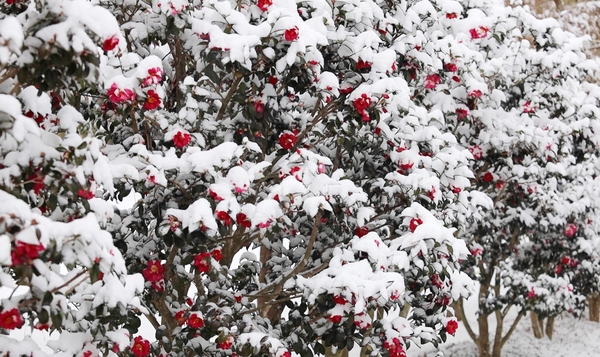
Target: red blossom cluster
[[291, 34], [451, 327], [25, 253], [11, 319], [395, 348], [140, 347], [181, 139], [287, 140], [361, 104]]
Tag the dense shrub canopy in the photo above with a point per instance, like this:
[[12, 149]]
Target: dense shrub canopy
[[303, 171]]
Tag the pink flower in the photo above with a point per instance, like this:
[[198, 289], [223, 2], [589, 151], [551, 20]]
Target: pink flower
[[570, 230], [432, 80], [110, 43], [479, 32], [461, 113], [531, 293], [181, 139], [528, 108], [259, 106], [476, 151], [154, 76], [119, 95], [153, 100], [321, 168], [291, 34], [475, 93]]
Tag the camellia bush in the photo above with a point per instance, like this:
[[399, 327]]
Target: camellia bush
[[302, 171], [530, 120], [292, 197]]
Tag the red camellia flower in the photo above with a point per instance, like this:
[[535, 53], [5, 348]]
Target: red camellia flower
[[488, 177], [195, 321], [479, 32], [414, 223], [455, 189], [224, 217], [201, 262], [154, 76], [154, 272], [451, 15], [336, 319], [180, 317], [141, 347], [461, 113], [339, 300], [226, 344], [273, 80], [432, 80], [243, 220], [451, 67], [570, 230], [395, 349], [110, 43], [363, 65], [531, 293], [259, 106], [435, 280], [475, 93], [362, 103], [181, 139], [88, 195], [361, 231], [119, 95], [11, 319], [476, 151], [500, 184], [216, 254], [287, 140], [451, 327], [153, 100], [24, 252], [291, 34], [264, 4], [528, 108], [407, 166]]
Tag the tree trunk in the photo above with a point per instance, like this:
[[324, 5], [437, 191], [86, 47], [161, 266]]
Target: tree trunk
[[538, 331], [550, 327], [594, 307], [483, 341]]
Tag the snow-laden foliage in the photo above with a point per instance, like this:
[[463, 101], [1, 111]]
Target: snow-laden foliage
[[302, 168]]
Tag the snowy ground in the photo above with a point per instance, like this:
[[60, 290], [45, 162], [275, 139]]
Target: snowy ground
[[572, 338]]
